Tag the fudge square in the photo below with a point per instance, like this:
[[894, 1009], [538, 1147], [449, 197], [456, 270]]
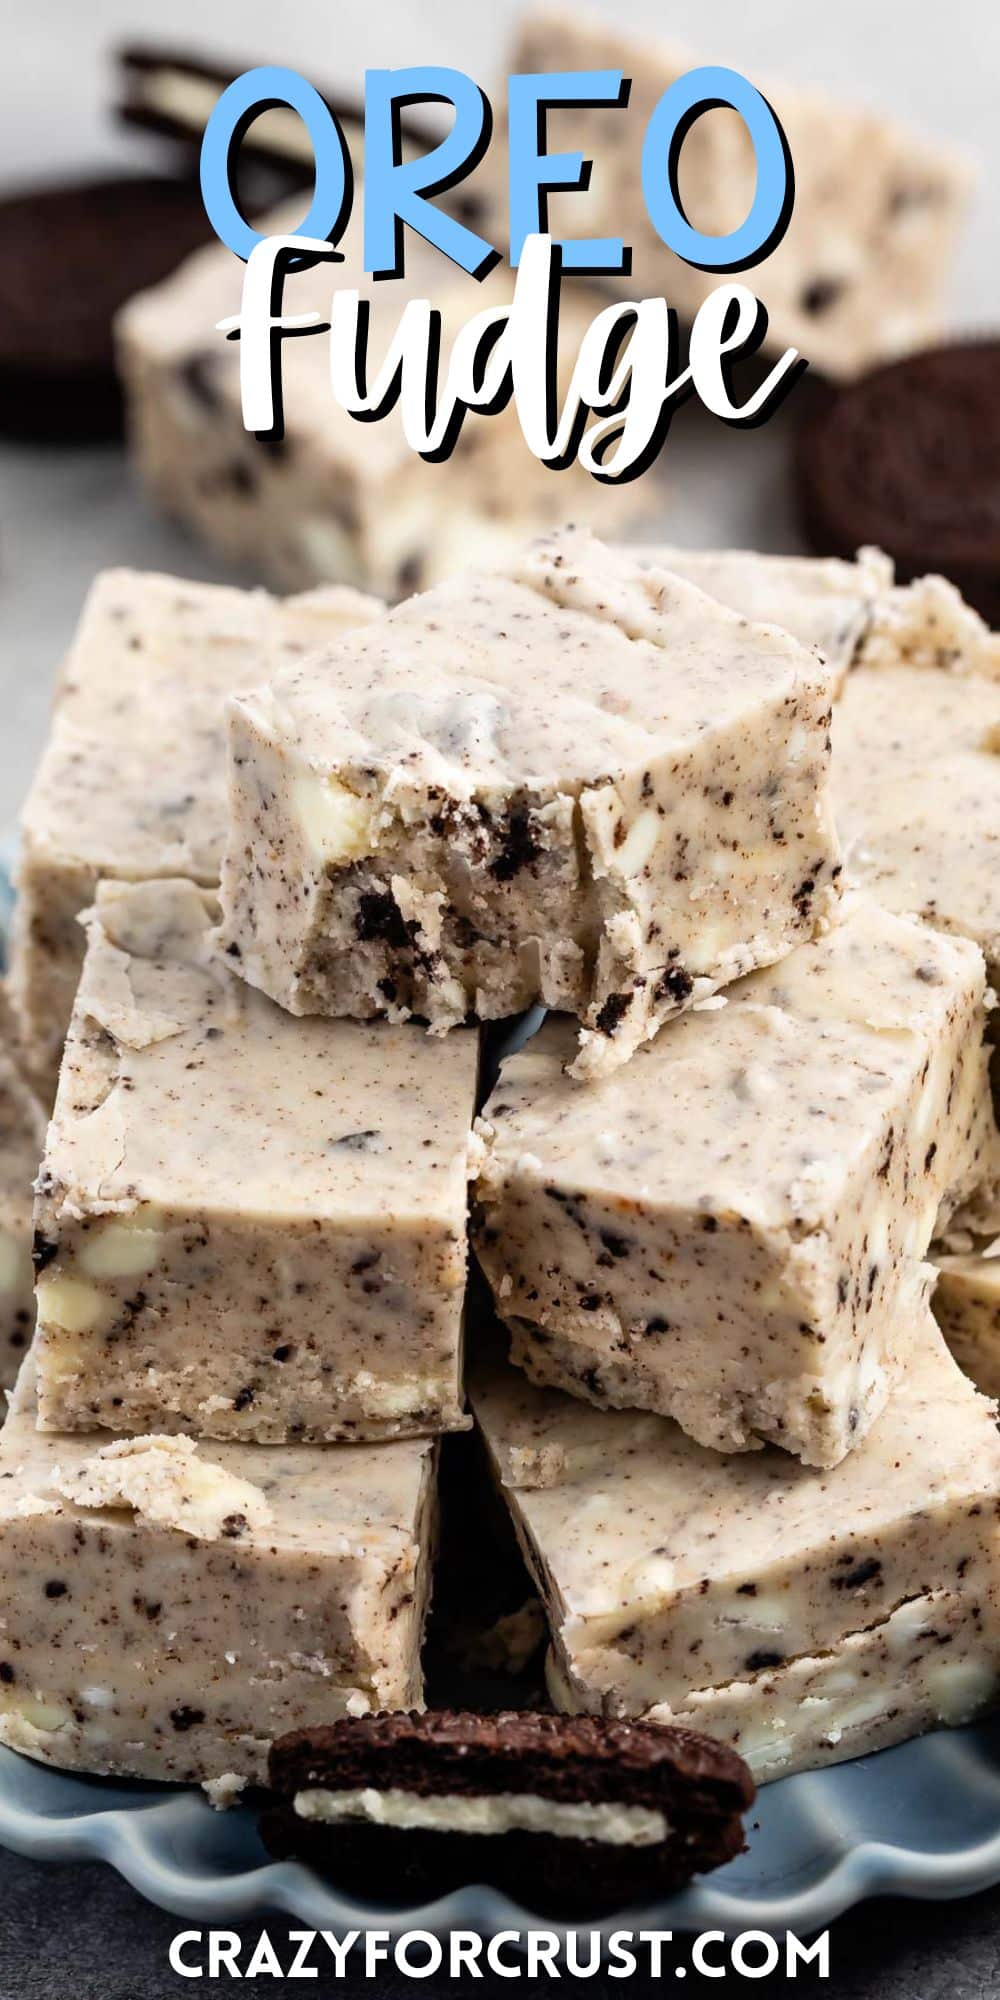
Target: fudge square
[[823, 601], [167, 1608], [22, 1137], [132, 782], [723, 1230], [966, 1305], [337, 500], [246, 1224], [860, 274], [802, 1616], [573, 779], [916, 763]]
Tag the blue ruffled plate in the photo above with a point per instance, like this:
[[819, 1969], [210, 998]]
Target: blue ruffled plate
[[920, 1820]]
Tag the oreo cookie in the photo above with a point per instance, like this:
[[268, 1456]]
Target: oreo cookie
[[568, 1813], [907, 458], [168, 90], [70, 256]]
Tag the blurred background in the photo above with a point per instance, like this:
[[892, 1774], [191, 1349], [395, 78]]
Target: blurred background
[[66, 512]]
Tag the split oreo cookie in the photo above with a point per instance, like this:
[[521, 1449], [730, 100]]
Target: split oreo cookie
[[69, 257], [908, 458], [568, 1813]]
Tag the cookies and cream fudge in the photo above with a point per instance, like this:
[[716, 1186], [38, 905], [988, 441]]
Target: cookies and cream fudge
[[860, 274], [572, 779], [22, 1136], [132, 782], [966, 1303], [802, 1616], [246, 1225], [916, 763], [592, 1811], [338, 500], [825, 602], [168, 1607], [723, 1230]]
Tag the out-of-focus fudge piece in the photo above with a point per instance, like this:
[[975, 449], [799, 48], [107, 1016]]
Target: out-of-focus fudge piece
[[861, 273], [966, 1304], [338, 500], [801, 1616], [132, 782], [724, 1230], [824, 602], [22, 1136], [916, 763], [247, 1225], [169, 1609], [575, 780]]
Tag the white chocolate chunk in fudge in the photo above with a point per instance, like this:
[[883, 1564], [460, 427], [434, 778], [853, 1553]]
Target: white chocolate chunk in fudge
[[859, 275], [802, 1616], [132, 782], [337, 500], [247, 1225], [723, 1231], [574, 779], [916, 763], [22, 1136], [278, 1587], [823, 601], [966, 1303]]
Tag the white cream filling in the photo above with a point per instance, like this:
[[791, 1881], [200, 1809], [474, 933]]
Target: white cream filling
[[505, 1812]]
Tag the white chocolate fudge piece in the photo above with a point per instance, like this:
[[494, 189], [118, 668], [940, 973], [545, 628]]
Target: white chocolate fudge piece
[[338, 500], [916, 763], [132, 782], [246, 1225], [802, 1616], [574, 780], [967, 1307], [861, 272], [822, 601], [22, 1137], [168, 1609], [723, 1230]]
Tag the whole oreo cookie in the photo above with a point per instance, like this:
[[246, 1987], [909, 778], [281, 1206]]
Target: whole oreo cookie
[[908, 457], [69, 257], [570, 1813]]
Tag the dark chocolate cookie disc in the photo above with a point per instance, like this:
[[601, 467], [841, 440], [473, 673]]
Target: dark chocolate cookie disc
[[908, 457], [70, 256]]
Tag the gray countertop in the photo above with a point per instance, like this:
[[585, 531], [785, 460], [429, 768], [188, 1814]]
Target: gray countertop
[[82, 1931]]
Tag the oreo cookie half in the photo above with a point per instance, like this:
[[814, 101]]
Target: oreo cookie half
[[908, 457], [568, 1813], [70, 256]]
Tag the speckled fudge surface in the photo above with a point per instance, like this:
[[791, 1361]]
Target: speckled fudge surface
[[966, 1303], [572, 779], [168, 1608], [338, 500], [823, 601], [132, 782], [22, 1136], [246, 1224], [916, 763], [860, 274], [802, 1616], [723, 1231]]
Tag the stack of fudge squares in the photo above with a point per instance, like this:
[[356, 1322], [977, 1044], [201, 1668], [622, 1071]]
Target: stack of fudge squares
[[730, 822]]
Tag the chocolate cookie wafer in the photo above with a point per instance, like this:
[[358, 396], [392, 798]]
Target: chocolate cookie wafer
[[907, 457], [570, 1813], [70, 255]]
